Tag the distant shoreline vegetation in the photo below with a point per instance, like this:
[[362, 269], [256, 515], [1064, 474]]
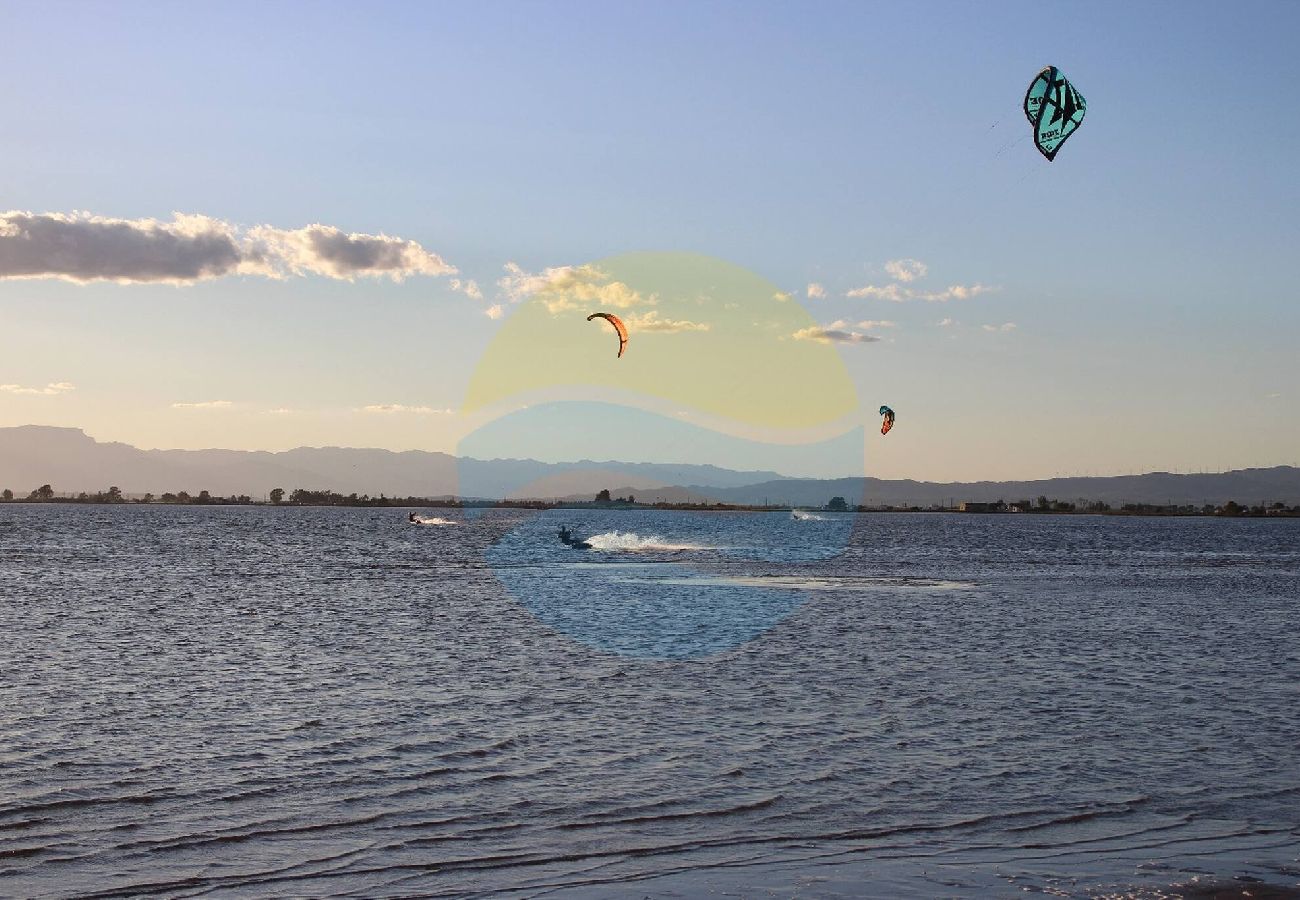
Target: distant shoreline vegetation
[[303, 497]]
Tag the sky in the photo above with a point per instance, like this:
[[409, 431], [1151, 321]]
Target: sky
[[263, 226]]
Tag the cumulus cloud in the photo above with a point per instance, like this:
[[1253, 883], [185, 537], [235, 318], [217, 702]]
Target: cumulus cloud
[[204, 404], [906, 270], [398, 408], [81, 248], [53, 389], [325, 250], [651, 321], [1005, 326], [953, 292], [565, 288], [495, 311], [946, 322], [468, 287], [835, 333], [877, 323], [896, 294], [891, 292], [815, 291]]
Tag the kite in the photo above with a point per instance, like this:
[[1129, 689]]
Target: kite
[[889, 419], [1054, 109], [618, 326]]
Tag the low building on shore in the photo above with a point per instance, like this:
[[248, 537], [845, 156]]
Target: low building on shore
[[972, 506]]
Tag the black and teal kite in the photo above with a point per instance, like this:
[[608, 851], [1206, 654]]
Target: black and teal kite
[[1055, 110]]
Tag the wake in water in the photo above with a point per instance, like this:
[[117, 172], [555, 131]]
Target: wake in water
[[631, 542], [802, 515], [432, 520]]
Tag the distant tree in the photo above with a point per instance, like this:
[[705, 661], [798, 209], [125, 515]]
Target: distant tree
[[603, 496], [1232, 508], [204, 497], [168, 497], [631, 498], [7, 495], [44, 493], [114, 495], [147, 498], [277, 494], [182, 497], [838, 504]]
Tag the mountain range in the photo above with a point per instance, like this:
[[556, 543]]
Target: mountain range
[[71, 461]]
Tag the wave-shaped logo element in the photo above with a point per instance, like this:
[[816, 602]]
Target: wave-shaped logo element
[[717, 375]]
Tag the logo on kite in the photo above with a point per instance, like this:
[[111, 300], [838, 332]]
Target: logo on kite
[[618, 326], [888, 423], [1054, 109]]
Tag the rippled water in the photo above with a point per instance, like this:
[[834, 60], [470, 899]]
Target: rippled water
[[307, 702]]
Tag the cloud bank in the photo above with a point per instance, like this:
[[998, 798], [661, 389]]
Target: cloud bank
[[83, 248]]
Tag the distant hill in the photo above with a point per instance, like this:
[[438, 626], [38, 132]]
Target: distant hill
[[71, 461]]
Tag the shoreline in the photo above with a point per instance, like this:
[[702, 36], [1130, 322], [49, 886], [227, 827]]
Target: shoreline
[[1226, 511]]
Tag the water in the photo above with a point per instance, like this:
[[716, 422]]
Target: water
[[307, 702]]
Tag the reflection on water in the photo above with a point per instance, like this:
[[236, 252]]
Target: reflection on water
[[312, 702]]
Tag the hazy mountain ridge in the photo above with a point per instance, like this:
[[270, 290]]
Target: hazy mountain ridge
[[71, 461]]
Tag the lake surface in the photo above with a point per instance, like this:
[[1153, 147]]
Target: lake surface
[[308, 702]]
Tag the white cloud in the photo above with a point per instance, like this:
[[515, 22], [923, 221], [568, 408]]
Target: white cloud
[[834, 333], [891, 292], [877, 323], [565, 288], [468, 287], [82, 248], [325, 250], [946, 323], [204, 404], [896, 294], [395, 408], [815, 291], [495, 311], [906, 270], [953, 292], [52, 389], [1005, 326], [651, 321]]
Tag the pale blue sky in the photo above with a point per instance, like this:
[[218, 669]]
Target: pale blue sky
[[1151, 271]]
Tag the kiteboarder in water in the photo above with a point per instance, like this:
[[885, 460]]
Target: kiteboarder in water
[[566, 537]]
